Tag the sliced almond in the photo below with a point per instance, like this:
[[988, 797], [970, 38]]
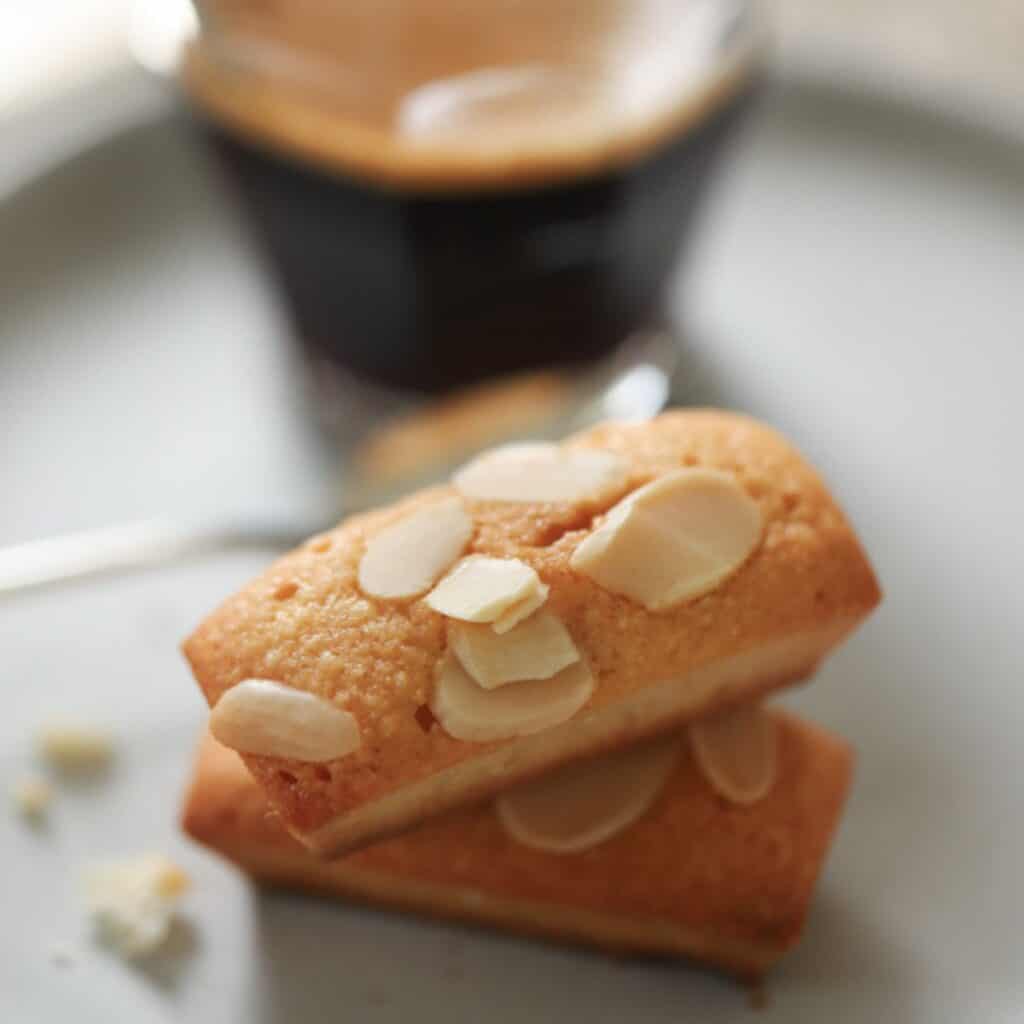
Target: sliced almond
[[538, 648], [585, 804], [483, 589], [410, 556], [471, 713], [737, 752], [259, 716], [512, 616], [541, 472], [672, 540]]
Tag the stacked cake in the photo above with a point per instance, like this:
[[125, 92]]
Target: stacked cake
[[534, 697]]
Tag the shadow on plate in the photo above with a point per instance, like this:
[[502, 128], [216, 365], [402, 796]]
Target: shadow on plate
[[168, 967], [317, 958], [844, 962]]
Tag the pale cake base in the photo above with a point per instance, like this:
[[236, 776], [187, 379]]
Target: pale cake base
[[735, 680]]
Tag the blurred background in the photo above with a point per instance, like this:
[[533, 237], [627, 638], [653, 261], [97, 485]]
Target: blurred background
[[852, 275], [73, 74], [967, 60], [973, 53]]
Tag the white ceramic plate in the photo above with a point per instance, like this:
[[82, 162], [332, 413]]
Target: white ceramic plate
[[859, 283]]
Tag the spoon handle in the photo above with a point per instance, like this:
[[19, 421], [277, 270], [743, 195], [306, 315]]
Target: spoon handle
[[146, 544], [639, 390]]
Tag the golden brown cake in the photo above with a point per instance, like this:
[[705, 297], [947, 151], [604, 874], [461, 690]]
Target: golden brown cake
[[696, 876], [307, 623]]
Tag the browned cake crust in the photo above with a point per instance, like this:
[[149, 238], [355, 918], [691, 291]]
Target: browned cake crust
[[697, 877], [306, 624]]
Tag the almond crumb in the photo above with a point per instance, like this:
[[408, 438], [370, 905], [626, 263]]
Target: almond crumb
[[133, 902], [75, 749], [32, 797]]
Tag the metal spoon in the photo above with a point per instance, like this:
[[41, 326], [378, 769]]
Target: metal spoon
[[637, 392]]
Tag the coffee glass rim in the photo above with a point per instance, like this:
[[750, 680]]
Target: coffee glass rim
[[288, 101]]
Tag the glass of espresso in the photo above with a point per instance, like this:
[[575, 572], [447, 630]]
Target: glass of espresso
[[455, 191]]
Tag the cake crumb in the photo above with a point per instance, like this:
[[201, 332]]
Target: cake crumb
[[133, 902], [61, 956], [32, 797], [75, 749]]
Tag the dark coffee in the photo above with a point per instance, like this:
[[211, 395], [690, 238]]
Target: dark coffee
[[538, 232], [429, 293]]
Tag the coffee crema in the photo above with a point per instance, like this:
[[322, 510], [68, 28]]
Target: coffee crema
[[452, 192], [444, 95]]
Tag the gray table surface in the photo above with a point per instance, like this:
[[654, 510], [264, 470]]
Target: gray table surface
[[857, 282]]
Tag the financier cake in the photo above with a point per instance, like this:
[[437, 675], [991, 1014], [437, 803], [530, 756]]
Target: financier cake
[[550, 603], [692, 872]]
